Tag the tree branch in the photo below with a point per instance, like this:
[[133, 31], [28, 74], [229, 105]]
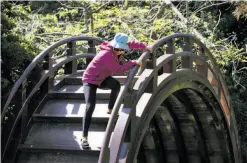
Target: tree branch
[[125, 25], [54, 33], [184, 22], [82, 8], [215, 4], [217, 23], [159, 12], [98, 9]]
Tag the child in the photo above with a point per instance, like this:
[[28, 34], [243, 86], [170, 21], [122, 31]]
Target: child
[[98, 75]]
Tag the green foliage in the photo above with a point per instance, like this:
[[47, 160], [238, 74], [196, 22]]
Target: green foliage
[[44, 7], [16, 51], [67, 14]]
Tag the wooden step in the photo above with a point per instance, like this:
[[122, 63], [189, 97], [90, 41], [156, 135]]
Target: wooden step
[[60, 142], [63, 119], [64, 134], [76, 92], [57, 157], [57, 149], [71, 111], [76, 80]]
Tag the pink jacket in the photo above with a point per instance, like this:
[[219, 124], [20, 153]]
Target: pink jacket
[[106, 63]]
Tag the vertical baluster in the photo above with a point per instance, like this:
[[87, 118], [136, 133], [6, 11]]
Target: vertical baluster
[[186, 61], [170, 66], [47, 64], [202, 67], [152, 85], [71, 67], [48, 83], [91, 49]]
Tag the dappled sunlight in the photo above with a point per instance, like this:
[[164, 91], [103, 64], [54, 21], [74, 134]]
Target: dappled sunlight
[[142, 104], [69, 108], [79, 109], [79, 89], [95, 138], [72, 88]]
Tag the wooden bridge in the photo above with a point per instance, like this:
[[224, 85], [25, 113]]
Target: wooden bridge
[[175, 109]]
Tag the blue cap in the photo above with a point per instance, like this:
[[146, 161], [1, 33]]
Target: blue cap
[[120, 41]]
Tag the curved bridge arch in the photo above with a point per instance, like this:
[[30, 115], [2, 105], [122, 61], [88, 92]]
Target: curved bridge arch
[[154, 102], [178, 109], [150, 82]]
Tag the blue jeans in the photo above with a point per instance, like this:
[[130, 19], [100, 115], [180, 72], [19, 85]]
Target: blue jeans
[[90, 99]]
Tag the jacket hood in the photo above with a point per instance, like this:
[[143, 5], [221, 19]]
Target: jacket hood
[[105, 46]]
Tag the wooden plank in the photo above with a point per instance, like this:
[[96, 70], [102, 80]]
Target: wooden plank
[[118, 134], [64, 134], [58, 157]]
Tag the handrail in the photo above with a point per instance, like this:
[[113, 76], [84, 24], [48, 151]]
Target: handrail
[[86, 55], [103, 157], [35, 61], [144, 84]]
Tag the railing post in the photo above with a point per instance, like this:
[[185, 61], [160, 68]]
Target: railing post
[[71, 67], [152, 85], [171, 65], [91, 49], [186, 61], [48, 83], [202, 67]]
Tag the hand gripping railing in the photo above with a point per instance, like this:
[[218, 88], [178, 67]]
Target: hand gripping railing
[[215, 79], [125, 92]]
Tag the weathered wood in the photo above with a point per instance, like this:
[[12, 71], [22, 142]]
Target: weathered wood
[[192, 114], [118, 134], [187, 61], [71, 67], [91, 49], [201, 67], [47, 66], [37, 60], [104, 154], [170, 81], [152, 85], [23, 97], [170, 66], [43, 58], [177, 130]]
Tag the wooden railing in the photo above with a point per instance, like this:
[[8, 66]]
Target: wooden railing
[[194, 56], [22, 112]]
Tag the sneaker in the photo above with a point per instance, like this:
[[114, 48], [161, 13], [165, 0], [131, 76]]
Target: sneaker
[[84, 143], [109, 111]]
